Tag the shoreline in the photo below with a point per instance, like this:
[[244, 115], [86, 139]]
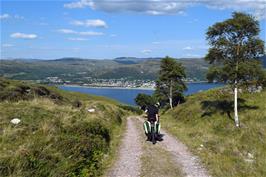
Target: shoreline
[[115, 87], [108, 87]]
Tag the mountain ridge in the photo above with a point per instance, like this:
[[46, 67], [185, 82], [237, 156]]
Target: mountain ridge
[[80, 69]]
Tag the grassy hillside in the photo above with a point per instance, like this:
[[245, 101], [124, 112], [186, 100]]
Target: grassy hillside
[[57, 136], [205, 123]]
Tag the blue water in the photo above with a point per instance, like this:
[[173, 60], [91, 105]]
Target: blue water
[[127, 95]]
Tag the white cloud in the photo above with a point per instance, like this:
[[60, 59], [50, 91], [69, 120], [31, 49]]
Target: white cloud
[[146, 51], [77, 39], [187, 48], [67, 31], [153, 7], [90, 33], [23, 36], [83, 33], [90, 23], [160, 7], [79, 4], [4, 16], [7, 45], [260, 13], [19, 17], [257, 7]]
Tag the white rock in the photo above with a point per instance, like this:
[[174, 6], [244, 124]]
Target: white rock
[[199, 148], [249, 160], [91, 110], [201, 145], [251, 156], [15, 121]]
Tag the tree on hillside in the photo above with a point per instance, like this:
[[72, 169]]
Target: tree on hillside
[[170, 84], [143, 100], [234, 51]]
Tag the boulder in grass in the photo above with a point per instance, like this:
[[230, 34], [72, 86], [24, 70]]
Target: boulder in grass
[[91, 110], [15, 121]]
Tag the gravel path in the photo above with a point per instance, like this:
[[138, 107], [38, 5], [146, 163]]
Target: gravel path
[[128, 163], [189, 163], [130, 153]]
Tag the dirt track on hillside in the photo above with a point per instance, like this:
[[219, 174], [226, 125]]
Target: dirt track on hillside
[[128, 163], [130, 158]]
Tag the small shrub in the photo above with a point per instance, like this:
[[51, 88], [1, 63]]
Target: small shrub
[[41, 91], [77, 104]]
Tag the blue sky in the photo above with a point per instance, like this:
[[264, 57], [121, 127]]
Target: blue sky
[[105, 29]]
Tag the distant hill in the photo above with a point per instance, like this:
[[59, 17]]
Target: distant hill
[[68, 59], [125, 60], [78, 69], [133, 60]]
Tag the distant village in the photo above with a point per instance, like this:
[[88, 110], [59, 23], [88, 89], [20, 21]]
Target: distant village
[[93, 82]]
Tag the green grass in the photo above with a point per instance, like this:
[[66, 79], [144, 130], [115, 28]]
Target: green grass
[[227, 150], [56, 136]]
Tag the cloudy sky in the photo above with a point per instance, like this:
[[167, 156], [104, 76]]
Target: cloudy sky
[[114, 28]]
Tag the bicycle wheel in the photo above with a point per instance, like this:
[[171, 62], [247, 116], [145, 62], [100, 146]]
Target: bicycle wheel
[[153, 138]]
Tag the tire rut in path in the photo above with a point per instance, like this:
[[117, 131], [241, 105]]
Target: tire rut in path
[[189, 163], [155, 160], [128, 163]]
